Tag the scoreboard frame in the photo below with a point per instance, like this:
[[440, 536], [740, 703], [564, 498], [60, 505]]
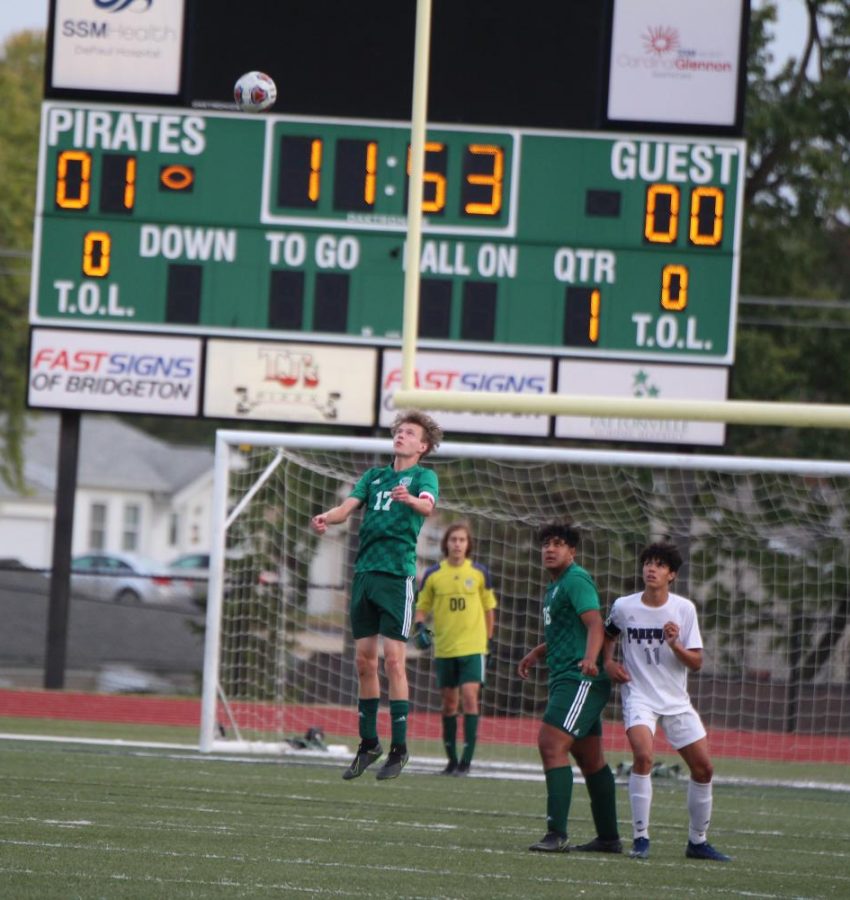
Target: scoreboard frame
[[593, 244]]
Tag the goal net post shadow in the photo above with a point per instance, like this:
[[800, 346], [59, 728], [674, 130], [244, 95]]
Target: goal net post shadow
[[767, 563]]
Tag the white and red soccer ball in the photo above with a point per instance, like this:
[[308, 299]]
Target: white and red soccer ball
[[254, 92]]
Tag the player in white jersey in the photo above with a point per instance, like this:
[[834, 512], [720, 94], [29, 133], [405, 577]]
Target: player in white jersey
[[660, 641]]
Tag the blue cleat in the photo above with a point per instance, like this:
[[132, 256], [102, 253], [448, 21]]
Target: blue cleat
[[640, 849], [705, 851]]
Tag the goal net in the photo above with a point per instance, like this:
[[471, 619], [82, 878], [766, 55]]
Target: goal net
[[765, 544]]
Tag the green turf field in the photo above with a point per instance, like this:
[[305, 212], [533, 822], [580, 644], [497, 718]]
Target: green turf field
[[117, 822]]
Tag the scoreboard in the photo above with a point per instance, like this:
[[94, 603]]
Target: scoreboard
[[615, 245], [581, 211]]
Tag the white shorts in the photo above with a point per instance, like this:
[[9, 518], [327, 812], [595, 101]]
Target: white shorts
[[681, 729]]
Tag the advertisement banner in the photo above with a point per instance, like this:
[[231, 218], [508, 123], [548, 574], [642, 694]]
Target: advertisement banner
[[611, 379], [473, 372], [118, 45], [675, 61], [280, 382], [106, 372]]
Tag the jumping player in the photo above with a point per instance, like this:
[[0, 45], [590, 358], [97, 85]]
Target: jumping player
[[396, 500]]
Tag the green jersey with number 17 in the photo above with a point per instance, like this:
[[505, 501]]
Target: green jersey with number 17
[[389, 530]]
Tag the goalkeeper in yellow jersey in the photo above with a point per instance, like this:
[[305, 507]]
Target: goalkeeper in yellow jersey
[[459, 597]]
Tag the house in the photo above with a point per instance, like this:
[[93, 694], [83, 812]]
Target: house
[[134, 492]]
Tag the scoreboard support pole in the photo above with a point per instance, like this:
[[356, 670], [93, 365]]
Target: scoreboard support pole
[[732, 412], [419, 112], [60, 570]]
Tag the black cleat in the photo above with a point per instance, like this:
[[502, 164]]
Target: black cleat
[[364, 758], [599, 845], [396, 761], [450, 768], [552, 842], [463, 768]]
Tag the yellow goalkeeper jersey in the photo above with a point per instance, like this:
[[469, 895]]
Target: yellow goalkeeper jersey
[[457, 597]]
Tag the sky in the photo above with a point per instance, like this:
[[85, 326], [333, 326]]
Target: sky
[[17, 15]]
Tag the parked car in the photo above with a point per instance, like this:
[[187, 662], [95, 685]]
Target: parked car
[[19, 578], [193, 569], [126, 578]]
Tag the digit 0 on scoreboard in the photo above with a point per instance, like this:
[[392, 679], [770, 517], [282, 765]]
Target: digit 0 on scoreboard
[[662, 219], [117, 174]]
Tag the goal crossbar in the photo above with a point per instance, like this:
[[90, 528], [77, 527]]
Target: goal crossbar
[[732, 412]]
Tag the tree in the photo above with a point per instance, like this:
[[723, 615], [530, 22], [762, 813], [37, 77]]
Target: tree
[[796, 240], [21, 74]]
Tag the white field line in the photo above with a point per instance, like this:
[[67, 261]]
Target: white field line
[[529, 772]]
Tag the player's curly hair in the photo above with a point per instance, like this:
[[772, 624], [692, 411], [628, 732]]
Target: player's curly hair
[[456, 526], [567, 533], [432, 434], [663, 553]]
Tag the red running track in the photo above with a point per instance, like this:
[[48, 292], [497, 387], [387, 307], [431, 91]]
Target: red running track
[[295, 720]]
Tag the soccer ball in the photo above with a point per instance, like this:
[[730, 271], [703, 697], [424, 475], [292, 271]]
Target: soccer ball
[[254, 92]]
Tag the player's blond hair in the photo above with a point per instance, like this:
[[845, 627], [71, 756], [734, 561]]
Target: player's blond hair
[[432, 434]]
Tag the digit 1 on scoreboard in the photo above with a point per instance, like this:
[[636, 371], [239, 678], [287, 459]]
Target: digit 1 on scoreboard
[[355, 175], [582, 309], [299, 172]]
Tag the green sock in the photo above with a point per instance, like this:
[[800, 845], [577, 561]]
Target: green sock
[[398, 720], [559, 795], [603, 803], [450, 737], [470, 733], [368, 715]]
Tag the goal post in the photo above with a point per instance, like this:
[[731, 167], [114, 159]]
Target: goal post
[[766, 545]]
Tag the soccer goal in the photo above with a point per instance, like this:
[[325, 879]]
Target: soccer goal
[[766, 545]]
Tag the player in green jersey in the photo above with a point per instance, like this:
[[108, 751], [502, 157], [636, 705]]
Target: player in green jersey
[[578, 691], [395, 500], [459, 596]]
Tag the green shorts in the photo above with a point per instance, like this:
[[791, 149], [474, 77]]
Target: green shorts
[[382, 604], [453, 671], [576, 707]]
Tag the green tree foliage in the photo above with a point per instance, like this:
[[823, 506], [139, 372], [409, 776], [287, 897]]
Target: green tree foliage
[[21, 75], [771, 576], [796, 240]]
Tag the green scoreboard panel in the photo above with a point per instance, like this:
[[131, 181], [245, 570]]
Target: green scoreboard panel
[[602, 245]]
